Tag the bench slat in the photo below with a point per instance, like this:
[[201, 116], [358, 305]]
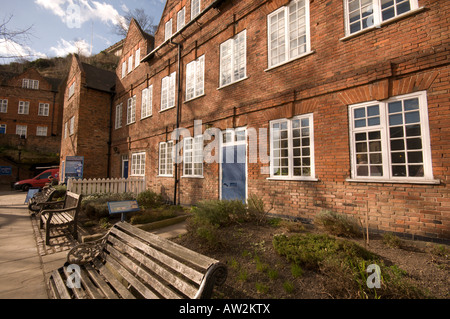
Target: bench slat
[[117, 285], [101, 283], [187, 271], [78, 292], [93, 291], [60, 285], [141, 288], [195, 258], [157, 284]]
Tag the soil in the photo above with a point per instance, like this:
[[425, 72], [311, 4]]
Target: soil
[[242, 245]]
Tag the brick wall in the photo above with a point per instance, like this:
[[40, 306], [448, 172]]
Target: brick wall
[[404, 56]]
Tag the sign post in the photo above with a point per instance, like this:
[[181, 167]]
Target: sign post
[[123, 207]]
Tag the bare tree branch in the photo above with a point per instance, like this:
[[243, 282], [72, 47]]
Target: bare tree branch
[[11, 38], [144, 20]]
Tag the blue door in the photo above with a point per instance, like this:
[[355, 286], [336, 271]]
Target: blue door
[[125, 164], [234, 179]]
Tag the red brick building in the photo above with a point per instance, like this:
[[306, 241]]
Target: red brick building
[[30, 118], [87, 104], [315, 105]]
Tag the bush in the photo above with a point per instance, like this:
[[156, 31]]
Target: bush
[[150, 199], [220, 212], [95, 206], [339, 225], [154, 215]]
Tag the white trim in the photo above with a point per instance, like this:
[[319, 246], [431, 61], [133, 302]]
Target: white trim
[[142, 166], [285, 10], [384, 128], [160, 160], [232, 41], [222, 145], [290, 147]]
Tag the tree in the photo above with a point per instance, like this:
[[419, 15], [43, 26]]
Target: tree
[[13, 40], [144, 20]]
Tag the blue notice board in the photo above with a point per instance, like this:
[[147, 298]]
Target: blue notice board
[[123, 207], [31, 193]]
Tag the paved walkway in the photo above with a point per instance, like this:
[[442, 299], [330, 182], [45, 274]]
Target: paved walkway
[[25, 260]]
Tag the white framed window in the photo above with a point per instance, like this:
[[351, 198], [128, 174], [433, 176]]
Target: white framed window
[[72, 90], [137, 58], [195, 78], [233, 59], [166, 159], [288, 32], [181, 19], [292, 148], [195, 8], [168, 91], [44, 109], [24, 107], [2, 128], [363, 14], [119, 110], [193, 157], [390, 140], [138, 164], [168, 30], [131, 110], [41, 131], [21, 130], [124, 69], [4, 106], [130, 63], [72, 126], [66, 129], [30, 84], [147, 102]]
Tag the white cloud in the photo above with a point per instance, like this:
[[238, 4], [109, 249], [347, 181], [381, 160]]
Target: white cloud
[[72, 12], [10, 50], [65, 47]]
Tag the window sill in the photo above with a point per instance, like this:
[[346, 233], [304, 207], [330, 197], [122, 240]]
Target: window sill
[[197, 177], [128, 124], [289, 61], [194, 98], [169, 108], [229, 84], [382, 24], [148, 116], [292, 179], [395, 181], [168, 176]]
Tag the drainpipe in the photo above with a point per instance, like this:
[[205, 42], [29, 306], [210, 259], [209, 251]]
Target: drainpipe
[[178, 119], [108, 169]]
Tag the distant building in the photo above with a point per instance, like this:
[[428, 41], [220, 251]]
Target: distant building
[[30, 116], [87, 110]]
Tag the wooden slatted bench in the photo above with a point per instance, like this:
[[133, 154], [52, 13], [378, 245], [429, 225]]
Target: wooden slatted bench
[[65, 217], [131, 263]]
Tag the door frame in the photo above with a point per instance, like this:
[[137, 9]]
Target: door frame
[[233, 143], [125, 158]]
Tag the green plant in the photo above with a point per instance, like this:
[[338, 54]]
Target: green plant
[[261, 288], [272, 273], [255, 209], [150, 199], [153, 215], [242, 275], [220, 212], [95, 206], [391, 240], [338, 224], [288, 287], [296, 270]]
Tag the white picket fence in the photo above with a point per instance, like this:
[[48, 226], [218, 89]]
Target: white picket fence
[[102, 186]]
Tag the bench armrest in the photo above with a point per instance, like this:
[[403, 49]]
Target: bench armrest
[[55, 211], [86, 252]]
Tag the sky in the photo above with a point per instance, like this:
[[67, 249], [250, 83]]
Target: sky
[[60, 27]]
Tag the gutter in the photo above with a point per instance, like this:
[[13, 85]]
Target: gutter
[[176, 181], [213, 5]]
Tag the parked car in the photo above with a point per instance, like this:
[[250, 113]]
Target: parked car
[[38, 181]]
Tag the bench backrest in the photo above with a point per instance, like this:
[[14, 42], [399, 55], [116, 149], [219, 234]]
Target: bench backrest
[[72, 200], [174, 272]]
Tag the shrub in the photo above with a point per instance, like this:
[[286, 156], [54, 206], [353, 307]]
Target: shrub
[[391, 240], [153, 215], [95, 206], [220, 212], [255, 209], [150, 199], [339, 225]]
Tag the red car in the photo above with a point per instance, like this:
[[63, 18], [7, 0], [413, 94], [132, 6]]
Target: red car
[[38, 181]]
